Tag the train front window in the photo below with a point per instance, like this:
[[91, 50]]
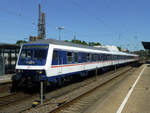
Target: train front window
[[26, 54], [33, 55]]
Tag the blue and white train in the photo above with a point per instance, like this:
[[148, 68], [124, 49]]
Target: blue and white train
[[53, 61]]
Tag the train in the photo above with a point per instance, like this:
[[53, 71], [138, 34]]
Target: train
[[53, 62]]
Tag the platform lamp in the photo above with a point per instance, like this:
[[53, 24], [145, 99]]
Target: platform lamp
[[60, 29]]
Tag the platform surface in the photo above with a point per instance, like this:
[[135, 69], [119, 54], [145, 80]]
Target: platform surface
[[5, 78], [137, 102]]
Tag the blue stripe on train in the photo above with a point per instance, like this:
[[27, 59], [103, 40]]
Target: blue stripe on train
[[53, 78]]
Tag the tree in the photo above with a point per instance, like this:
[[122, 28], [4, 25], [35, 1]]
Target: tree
[[79, 42], [94, 44], [19, 42], [84, 42], [119, 48], [66, 41]]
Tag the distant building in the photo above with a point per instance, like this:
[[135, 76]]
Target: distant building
[[109, 48], [146, 45], [124, 50], [34, 38], [113, 48]]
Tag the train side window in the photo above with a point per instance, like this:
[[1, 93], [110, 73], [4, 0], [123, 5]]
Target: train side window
[[55, 55], [106, 57], [75, 57], [115, 57], [99, 57], [88, 57], [96, 57], [55, 58], [92, 57], [84, 57], [69, 57], [111, 57], [102, 57]]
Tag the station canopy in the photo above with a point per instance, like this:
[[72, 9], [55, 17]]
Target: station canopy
[[8, 46], [146, 45]]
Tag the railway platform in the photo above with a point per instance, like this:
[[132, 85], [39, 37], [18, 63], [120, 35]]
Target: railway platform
[[5, 84], [139, 101], [5, 78], [131, 95]]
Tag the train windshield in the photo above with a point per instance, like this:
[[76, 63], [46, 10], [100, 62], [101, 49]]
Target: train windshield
[[33, 55]]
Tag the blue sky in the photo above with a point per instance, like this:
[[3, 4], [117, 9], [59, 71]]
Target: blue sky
[[123, 23]]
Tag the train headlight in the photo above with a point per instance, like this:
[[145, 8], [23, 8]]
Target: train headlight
[[18, 71], [40, 72]]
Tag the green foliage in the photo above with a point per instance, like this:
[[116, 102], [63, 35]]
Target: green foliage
[[94, 44], [66, 41], [79, 42], [19, 42], [119, 48], [84, 42]]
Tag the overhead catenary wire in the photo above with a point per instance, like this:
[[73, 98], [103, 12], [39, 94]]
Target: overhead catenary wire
[[67, 30], [98, 19]]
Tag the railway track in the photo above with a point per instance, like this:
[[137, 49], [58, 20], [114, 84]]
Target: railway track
[[17, 102], [5, 89], [80, 97], [82, 102], [12, 99]]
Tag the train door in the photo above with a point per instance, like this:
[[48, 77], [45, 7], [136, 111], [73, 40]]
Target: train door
[[61, 60], [84, 59]]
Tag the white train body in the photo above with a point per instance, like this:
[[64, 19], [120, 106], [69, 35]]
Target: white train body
[[51, 60]]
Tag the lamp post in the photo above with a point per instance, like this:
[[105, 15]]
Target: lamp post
[[59, 29]]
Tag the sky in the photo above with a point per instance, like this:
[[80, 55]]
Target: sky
[[123, 23]]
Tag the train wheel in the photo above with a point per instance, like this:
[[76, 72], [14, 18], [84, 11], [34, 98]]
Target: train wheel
[[59, 82], [62, 81]]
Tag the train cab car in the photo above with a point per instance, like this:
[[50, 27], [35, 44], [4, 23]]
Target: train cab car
[[30, 68], [55, 61]]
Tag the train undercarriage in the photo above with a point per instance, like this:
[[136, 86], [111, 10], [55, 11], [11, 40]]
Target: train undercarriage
[[30, 79]]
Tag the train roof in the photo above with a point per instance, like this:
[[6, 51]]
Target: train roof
[[61, 42]]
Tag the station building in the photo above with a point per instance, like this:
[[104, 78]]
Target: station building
[[146, 45], [8, 58]]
